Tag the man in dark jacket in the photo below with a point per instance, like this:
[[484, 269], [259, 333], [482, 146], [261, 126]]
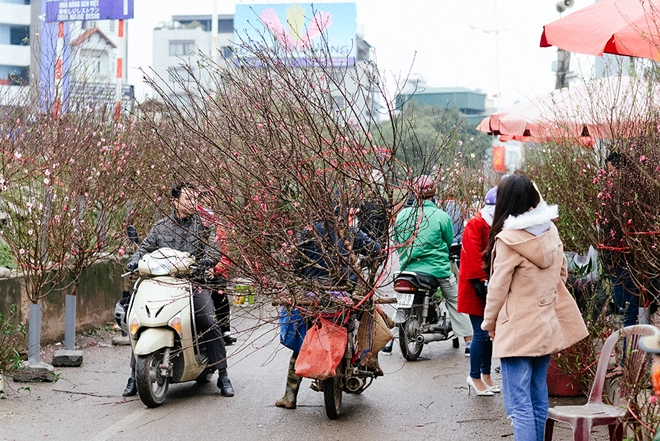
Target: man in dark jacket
[[183, 230], [326, 260]]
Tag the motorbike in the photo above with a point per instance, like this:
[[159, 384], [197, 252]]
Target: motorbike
[[352, 376], [160, 323], [421, 317]]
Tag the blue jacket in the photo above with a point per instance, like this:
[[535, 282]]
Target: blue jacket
[[325, 257]]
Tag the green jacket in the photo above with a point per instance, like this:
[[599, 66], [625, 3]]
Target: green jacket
[[424, 234]]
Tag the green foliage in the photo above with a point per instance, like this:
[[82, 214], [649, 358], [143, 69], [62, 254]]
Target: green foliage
[[565, 175], [6, 256], [421, 129], [12, 338]]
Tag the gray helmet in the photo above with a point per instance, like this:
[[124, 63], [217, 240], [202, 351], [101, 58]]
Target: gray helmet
[[120, 313]]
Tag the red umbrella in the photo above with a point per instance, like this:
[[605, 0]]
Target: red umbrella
[[621, 27]]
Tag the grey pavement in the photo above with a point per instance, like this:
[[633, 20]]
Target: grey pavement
[[427, 399]]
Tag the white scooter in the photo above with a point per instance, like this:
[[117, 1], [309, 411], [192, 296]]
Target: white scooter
[[161, 325]]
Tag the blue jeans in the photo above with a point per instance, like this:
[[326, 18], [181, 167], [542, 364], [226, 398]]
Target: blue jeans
[[524, 387], [481, 349], [626, 295]]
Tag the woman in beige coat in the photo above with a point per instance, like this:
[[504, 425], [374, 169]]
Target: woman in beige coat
[[529, 312]]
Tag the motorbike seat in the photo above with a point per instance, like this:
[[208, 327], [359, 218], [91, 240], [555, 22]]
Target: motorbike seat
[[425, 280]]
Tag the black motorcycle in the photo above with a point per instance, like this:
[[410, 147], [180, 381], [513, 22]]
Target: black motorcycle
[[421, 317]]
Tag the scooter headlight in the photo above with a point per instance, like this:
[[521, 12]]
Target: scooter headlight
[[175, 323], [134, 325]]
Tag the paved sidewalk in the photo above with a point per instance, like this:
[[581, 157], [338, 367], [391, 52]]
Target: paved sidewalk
[[423, 400]]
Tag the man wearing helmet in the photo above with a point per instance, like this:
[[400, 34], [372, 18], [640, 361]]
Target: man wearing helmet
[[424, 234]]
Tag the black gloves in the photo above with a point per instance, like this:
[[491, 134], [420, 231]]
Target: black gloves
[[132, 266], [205, 264], [480, 288]]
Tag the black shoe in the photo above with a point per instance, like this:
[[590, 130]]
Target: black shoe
[[226, 389], [387, 349], [131, 389], [229, 340]]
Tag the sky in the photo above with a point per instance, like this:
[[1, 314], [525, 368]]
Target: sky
[[486, 45]]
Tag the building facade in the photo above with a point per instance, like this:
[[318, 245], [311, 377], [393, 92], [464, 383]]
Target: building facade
[[472, 104], [15, 26], [178, 44], [90, 55]]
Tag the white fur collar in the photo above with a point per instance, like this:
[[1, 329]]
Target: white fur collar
[[542, 214]]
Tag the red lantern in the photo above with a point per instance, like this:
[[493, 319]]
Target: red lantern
[[499, 162]]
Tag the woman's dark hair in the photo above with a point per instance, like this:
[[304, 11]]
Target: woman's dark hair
[[178, 188], [515, 195]]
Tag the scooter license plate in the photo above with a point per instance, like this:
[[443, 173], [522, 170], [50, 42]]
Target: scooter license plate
[[405, 300]]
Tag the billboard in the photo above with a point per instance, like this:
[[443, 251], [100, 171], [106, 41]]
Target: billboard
[[78, 10], [296, 27]]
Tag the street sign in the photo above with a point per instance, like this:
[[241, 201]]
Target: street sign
[[78, 10]]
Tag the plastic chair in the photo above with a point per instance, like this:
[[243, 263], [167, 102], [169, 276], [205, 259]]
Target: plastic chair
[[596, 413]]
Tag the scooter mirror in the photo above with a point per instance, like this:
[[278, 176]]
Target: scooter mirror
[[132, 233]]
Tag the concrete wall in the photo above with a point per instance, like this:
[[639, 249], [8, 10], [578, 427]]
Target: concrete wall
[[100, 288]]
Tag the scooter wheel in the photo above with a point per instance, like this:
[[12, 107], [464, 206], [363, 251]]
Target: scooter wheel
[[332, 392], [151, 385], [408, 332]]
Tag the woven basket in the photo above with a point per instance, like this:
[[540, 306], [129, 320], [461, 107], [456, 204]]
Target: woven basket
[[373, 334]]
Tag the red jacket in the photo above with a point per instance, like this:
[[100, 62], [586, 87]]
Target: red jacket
[[475, 240]]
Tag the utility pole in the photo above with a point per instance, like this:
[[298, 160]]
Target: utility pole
[[496, 31], [214, 32], [563, 56]]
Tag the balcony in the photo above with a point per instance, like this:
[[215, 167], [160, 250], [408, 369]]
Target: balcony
[[14, 14], [12, 55]]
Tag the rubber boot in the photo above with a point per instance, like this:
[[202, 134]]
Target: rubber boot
[[288, 401]]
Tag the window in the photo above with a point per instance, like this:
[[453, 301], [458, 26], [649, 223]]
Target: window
[[340, 102], [225, 26], [19, 35], [227, 52], [112, 26], [177, 74], [180, 48]]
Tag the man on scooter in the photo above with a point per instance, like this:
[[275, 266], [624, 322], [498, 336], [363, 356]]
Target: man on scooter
[[424, 234], [183, 230]]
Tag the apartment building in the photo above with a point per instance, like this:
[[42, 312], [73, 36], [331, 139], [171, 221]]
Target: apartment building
[[15, 21]]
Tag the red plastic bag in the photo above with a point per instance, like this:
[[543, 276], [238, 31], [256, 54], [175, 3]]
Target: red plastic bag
[[322, 350]]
